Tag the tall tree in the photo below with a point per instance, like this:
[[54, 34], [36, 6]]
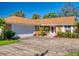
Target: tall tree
[[69, 10], [19, 13], [2, 22], [36, 16], [76, 12], [50, 15], [77, 26]]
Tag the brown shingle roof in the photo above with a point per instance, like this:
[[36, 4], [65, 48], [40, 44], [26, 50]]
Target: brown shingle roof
[[15, 19], [60, 20], [53, 21]]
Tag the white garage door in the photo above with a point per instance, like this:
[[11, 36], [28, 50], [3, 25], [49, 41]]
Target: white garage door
[[23, 30]]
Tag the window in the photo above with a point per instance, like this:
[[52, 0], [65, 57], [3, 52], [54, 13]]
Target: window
[[68, 28]]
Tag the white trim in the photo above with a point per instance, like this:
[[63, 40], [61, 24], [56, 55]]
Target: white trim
[[56, 24]]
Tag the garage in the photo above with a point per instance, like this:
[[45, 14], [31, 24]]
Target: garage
[[24, 27], [23, 31]]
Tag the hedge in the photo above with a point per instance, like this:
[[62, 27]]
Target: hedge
[[67, 35]]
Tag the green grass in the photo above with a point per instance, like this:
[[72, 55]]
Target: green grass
[[5, 42], [72, 54]]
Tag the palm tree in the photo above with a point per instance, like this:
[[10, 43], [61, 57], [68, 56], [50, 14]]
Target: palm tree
[[46, 16], [50, 15], [2, 24], [2, 21], [36, 16], [19, 13]]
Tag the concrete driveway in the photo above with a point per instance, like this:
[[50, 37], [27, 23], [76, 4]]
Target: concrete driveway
[[37, 45], [24, 35]]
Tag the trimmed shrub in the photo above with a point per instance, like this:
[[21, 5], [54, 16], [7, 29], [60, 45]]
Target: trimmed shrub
[[60, 34], [42, 31], [9, 34], [67, 35], [74, 35]]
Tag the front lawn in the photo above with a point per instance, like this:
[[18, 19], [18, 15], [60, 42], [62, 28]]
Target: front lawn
[[73, 54], [5, 42]]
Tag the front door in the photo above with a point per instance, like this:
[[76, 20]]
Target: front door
[[52, 29]]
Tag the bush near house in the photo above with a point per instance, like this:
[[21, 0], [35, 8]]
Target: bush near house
[[43, 30], [5, 33], [67, 35], [59, 34], [7, 40], [9, 34]]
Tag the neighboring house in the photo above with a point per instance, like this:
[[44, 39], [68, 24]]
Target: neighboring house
[[28, 26]]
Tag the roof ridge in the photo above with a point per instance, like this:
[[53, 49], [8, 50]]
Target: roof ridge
[[43, 19]]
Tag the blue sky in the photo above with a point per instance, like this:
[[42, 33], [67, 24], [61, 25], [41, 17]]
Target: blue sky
[[30, 8]]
